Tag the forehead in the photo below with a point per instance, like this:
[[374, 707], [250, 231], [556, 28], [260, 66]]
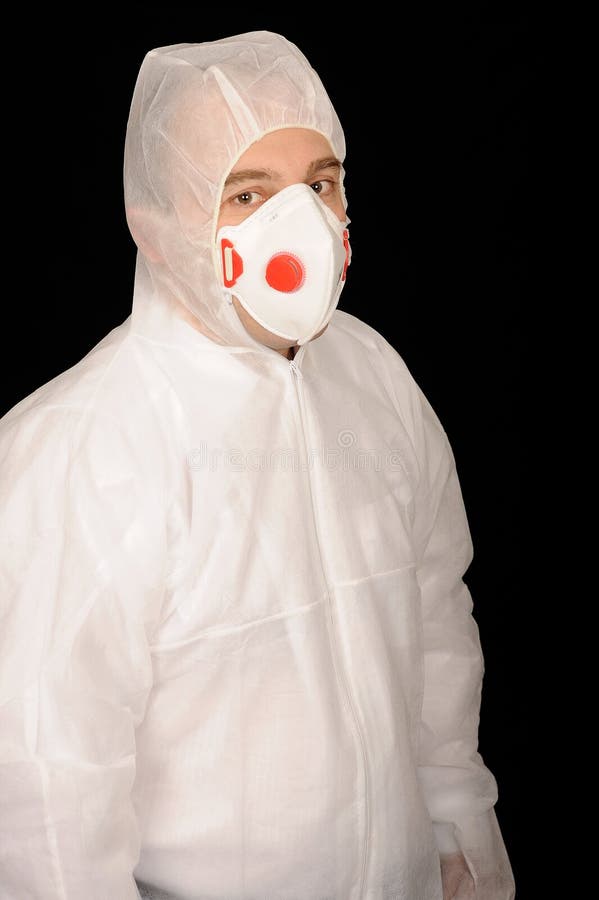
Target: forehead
[[284, 148]]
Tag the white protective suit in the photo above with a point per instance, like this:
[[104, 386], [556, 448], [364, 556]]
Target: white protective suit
[[238, 656]]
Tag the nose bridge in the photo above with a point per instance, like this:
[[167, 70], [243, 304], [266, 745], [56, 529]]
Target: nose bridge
[[304, 196], [299, 188], [290, 182], [292, 195]]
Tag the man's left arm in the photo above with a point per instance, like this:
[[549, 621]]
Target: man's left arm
[[459, 790]]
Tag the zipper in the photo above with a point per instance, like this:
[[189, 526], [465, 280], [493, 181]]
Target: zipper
[[297, 377]]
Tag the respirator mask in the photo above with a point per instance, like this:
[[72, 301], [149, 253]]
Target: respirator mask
[[286, 263]]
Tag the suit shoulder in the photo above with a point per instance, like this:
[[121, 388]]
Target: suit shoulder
[[106, 383], [96, 404], [356, 330]]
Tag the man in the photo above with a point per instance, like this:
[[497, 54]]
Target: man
[[239, 658]]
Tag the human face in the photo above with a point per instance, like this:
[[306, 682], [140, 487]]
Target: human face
[[279, 159]]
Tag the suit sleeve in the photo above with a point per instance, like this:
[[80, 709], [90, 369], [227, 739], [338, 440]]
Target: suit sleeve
[[459, 790], [81, 584]]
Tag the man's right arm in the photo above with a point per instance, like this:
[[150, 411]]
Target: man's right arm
[[81, 583]]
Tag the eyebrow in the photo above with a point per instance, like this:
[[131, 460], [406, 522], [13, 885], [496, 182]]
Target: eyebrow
[[317, 165]]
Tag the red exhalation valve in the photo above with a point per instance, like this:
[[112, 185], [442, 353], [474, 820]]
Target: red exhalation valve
[[285, 273], [232, 263]]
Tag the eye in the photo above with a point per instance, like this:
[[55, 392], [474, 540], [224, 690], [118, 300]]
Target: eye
[[247, 198], [323, 188]]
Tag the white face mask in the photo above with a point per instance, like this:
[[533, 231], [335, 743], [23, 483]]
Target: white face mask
[[286, 263]]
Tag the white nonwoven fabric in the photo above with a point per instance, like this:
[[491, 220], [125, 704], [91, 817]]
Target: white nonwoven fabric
[[238, 656]]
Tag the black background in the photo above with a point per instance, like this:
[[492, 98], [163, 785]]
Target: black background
[[435, 113]]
